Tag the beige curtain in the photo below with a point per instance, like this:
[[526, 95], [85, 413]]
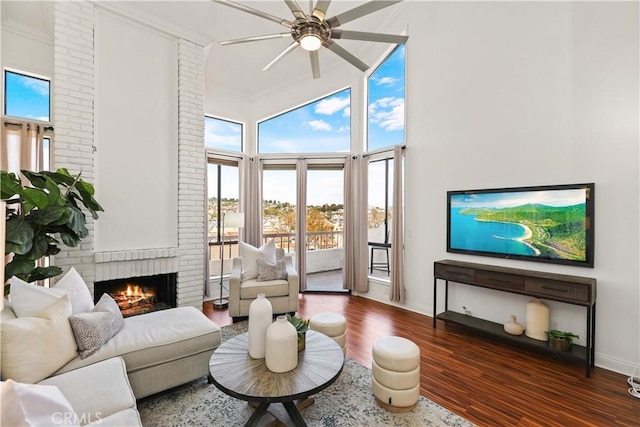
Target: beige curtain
[[301, 222], [356, 224], [251, 200], [22, 146], [397, 291]]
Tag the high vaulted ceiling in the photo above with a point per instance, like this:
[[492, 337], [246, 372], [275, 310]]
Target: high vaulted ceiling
[[237, 68]]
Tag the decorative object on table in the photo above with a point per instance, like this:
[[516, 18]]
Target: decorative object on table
[[281, 351], [561, 340], [260, 318], [512, 327], [537, 320], [229, 220], [634, 382], [48, 209], [302, 326]]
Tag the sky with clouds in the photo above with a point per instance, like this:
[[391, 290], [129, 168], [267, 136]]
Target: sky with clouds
[[27, 97]]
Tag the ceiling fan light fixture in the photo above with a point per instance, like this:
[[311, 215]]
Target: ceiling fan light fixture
[[310, 42]]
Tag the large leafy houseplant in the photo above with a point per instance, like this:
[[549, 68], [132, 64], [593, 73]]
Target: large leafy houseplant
[[42, 215]]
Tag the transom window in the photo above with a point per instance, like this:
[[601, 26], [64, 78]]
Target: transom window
[[222, 134], [385, 106], [322, 126], [27, 96]]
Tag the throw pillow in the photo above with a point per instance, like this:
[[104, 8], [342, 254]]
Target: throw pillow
[[251, 254], [267, 271], [28, 299], [95, 328], [34, 405], [33, 348]]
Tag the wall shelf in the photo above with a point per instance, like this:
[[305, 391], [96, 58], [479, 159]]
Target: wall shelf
[[575, 290]]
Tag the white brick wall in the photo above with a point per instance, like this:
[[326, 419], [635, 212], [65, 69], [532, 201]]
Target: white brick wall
[[191, 174], [73, 88], [73, 114]]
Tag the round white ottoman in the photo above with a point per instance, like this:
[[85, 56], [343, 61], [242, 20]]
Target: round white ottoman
[[396, 373], [333, 325]]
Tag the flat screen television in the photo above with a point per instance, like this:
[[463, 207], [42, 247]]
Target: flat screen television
[[552, 223]]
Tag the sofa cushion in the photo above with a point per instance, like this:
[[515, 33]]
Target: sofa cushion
[[267, 271], [250, 289], [28, 299], [95, 328], [97, 391], [35, 347], [154, 338], [34, 405], [251, 254]]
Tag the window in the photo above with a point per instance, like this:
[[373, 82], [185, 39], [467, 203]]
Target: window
[[380, 212], [323, 126], [26, 96], [222, 134], [385, 106]]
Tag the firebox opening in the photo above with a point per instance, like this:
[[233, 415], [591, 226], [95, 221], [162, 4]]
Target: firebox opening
[[139, 295]]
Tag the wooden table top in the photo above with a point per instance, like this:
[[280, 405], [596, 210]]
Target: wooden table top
[[238, 375]]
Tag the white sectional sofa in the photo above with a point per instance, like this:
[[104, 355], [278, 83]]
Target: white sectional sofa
[[151, 352]]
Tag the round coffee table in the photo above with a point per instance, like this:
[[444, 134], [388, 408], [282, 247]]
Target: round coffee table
[[235, 373]]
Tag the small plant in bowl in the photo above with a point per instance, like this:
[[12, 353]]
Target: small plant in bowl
[[561, 340], [302, 326]]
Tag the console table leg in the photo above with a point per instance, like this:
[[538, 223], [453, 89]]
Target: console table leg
[[435, 300]]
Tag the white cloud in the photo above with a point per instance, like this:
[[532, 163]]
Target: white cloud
[[386, 81], [319, 125], [41, 87], [387, 113], [346, 112], [332, 105]]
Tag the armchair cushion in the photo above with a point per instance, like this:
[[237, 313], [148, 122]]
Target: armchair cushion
[[273, 288], [250, 255], [267, 271]]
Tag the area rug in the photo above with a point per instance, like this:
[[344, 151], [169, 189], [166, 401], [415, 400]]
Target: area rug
[[348, 402]]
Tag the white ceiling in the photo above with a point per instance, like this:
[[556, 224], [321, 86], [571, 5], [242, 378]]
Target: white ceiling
[[238, 68]]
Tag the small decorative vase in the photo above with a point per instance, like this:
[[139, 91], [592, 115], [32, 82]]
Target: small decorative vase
[[560, 344], [537, 320], [281, 353], [513, 327], [260, 318], [302, 341]]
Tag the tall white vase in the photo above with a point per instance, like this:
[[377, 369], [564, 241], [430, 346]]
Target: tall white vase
[[281, 354], [537, 320], [260, 317]]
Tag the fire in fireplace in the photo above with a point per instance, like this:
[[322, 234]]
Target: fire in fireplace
[[139, 295]]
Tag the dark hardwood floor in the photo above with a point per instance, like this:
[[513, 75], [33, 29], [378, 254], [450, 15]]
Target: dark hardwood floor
[[485, 382]]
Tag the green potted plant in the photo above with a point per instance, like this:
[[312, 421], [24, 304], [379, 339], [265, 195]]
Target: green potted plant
[[41, 216], [561, 340], [302, 326]]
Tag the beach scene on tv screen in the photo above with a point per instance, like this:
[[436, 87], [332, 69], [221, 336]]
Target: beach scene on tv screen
[[545, 224]]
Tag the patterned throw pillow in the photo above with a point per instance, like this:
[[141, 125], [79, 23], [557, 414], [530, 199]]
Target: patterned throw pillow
[[267, 271], [96, 327]]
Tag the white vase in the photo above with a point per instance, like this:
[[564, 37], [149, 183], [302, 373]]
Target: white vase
[[281, 353], [513, 327], [537, 320], [260, 317]]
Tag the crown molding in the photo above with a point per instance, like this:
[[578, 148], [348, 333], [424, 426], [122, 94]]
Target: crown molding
[[23, 30]]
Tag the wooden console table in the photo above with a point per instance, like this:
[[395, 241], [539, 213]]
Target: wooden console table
[[554, 287]]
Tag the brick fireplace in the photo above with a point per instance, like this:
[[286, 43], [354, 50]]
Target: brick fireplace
[[139, 295]]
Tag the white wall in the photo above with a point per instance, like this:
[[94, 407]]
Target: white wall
[[136, 135], [503, 94]]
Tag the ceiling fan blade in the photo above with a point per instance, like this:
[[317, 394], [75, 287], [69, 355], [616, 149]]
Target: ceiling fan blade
[[370, 37], [333, 47], [359, 11], [282, 54], [295, 9], [320, 10], [255, 12], [255, 39], [315, 64]]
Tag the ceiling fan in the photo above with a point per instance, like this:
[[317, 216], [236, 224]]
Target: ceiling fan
[[313, 31]]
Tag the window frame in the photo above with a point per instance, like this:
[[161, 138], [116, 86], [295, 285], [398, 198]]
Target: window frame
[[220, 149], [35, 76]]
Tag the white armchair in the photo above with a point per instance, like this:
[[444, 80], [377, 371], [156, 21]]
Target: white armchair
[[282, 294]]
